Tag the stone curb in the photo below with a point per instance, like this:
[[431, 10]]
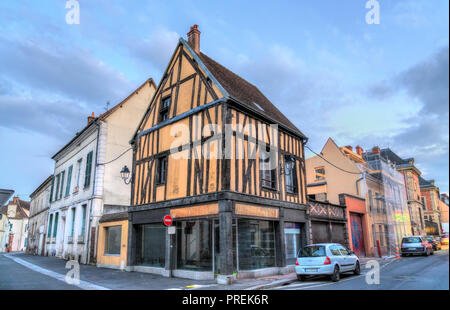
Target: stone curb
[[272, 284]]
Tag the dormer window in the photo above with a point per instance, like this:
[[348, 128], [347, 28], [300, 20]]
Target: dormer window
[[164, 110]]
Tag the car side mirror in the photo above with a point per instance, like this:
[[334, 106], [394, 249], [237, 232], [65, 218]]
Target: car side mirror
[[351, 252]]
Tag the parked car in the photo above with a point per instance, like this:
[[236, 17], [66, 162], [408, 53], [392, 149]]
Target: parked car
[[326, 259], [444, 239], [416, 245], [435, 242]]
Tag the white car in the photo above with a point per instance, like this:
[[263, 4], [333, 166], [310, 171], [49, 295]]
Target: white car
[[326, 259]]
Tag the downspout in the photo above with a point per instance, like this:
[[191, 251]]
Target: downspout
[[93, 194], [357, 182]]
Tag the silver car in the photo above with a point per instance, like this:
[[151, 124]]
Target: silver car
[[416, 245], [326, 259]]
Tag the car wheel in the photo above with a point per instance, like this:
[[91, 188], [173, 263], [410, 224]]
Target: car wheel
[[300, 277], [404, 255], [336, 276], [357, 270]]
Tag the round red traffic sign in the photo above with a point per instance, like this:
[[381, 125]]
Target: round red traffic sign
[[168, 220]]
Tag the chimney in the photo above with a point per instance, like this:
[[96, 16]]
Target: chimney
[[16, 200], [375, 150], [359, 150], [349, 147], [90, 118], [194, 38]]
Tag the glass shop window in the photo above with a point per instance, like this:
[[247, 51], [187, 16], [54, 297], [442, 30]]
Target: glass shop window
[[113, 235], [194, 245], [151, 245], [256, 244]]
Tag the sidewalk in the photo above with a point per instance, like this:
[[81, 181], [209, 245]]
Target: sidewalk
[[120, 280]]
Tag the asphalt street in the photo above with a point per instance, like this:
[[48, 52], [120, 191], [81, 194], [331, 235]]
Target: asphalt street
[[23, 272], [406, 273]]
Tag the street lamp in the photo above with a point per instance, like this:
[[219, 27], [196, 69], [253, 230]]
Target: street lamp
[[125, 174]]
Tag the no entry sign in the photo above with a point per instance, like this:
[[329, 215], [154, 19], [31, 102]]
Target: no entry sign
[[168, 220]]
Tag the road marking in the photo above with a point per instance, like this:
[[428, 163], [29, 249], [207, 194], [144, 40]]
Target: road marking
[[83, 284], [312, 285]]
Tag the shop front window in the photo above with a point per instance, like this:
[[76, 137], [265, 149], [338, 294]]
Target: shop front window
[[256, 244], [194, 245], [151, 245], [113, 236], [292, 241]]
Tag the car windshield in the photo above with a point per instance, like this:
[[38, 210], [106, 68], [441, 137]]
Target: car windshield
[[312, 251], [411, 240], [430, 238]]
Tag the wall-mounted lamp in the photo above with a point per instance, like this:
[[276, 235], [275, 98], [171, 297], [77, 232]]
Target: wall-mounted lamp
[[125, 175]]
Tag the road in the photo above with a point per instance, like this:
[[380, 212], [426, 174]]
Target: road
[[406, 273], [21, 272]]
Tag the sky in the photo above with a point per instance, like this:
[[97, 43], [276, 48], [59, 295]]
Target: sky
[[331, 73]]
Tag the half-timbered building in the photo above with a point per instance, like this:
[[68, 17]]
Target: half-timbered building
[[214, 153]]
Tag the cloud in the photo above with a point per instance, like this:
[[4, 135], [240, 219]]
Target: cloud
[[73, 73], [58, 119], [156, 49]]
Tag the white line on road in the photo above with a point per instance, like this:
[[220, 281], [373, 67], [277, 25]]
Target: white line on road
[[83, 284], [312, 285]]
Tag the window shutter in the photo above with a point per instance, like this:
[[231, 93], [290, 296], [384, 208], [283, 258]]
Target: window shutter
[[62, 184], [55, 228], [83, 220], [50, 222], [58, 179], [69, 179], [51, 188], [87, 177]]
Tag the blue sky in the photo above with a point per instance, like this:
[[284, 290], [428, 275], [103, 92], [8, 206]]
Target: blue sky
[[332, 74]]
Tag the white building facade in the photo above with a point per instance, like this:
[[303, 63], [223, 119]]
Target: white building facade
[[86, 182], [37, 224]]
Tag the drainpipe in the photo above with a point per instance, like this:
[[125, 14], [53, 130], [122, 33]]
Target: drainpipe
[[93, 194], [359, 180]]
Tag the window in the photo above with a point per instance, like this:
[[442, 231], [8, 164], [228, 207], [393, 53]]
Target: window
[[335, 251], [72, 227], [424, 203], [79, 171], [62, 184], [69, 179], [87, 176], [162, 170], [55, 228], [342, 250], [290, 172], [268, 175], [50, 222], [312, 251], [83, 220], [164, 110], [256, 244], [113, 235], [151, 245], [320, 173], [58, 179]]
